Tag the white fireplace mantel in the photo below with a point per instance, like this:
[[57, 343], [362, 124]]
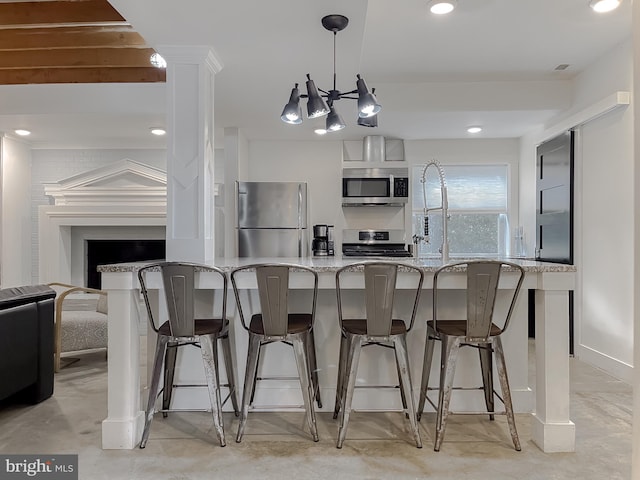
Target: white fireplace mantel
[[124, 194], [125, 182]]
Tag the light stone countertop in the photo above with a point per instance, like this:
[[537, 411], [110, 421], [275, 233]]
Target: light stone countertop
[[331, 264]]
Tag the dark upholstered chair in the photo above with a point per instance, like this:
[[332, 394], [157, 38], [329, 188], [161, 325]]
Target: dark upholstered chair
[[26, 343]]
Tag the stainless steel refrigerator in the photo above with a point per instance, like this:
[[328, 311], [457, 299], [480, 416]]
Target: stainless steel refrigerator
[[272, 219]]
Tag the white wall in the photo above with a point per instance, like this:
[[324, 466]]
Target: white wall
[[604, 212], [319, 163], [606, 247], [16, 210]]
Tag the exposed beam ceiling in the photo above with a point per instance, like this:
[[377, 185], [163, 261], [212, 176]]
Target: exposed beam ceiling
[[63, 41], [491, 63]]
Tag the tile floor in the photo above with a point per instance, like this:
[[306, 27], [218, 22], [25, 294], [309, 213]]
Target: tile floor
[[276, 445]]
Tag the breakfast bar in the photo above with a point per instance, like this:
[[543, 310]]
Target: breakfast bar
[[547, 400]]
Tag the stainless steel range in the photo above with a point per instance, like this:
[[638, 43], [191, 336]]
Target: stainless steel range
[[374, 243]]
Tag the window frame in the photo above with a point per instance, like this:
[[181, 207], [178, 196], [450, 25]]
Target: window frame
[[510, 211]]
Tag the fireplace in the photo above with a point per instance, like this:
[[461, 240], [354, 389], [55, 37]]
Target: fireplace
[[121, 203], [101, 252]]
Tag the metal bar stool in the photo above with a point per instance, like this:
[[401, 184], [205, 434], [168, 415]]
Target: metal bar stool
[[378, 328], [182, 328], [478, 330], [274, 323]]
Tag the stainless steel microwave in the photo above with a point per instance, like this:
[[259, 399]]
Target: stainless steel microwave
[[375, 186]]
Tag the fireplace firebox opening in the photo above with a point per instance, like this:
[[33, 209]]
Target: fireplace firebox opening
[[104, 252]]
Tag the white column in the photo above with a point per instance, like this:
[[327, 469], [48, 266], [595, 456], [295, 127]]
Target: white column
[[552, 429], [190, 155], [122, 429]]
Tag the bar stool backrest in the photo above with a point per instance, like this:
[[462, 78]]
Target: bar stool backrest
[[273, 289], [379, 295], [482, 286], [380, 288], [178, 279], [178, 283], [483, 279]]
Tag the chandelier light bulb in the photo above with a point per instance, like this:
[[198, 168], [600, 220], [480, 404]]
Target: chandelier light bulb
[[602, 6], [292, 118], [368, 111]]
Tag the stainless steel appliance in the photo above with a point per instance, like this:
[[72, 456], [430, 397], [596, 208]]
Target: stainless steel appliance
[[272, 219], [374, 243], [322, 244], [375, 186], [374, 148]]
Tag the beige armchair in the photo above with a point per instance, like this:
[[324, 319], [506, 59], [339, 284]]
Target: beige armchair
[[80, 320]]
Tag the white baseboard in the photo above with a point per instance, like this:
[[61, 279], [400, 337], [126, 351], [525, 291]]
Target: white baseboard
[[612, 366]]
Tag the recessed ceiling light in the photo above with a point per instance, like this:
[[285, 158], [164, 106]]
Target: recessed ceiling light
[[602, 6], [157, 60], [474, 129], [441, 7], [22, 132], [158, 131], [320, 131]]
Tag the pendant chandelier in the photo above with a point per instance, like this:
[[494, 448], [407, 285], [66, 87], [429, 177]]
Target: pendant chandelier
[[317, 106]]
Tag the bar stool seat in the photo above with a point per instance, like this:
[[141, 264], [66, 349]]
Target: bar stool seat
[[201, 326], [359, 326], [298, 323], [458, 328]]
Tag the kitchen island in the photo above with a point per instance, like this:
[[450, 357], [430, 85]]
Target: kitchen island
[[547, 400]]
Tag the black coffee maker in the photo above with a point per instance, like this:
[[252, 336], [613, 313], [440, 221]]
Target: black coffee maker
[[322, 244]]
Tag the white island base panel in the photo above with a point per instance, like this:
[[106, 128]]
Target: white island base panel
[[552, 430]]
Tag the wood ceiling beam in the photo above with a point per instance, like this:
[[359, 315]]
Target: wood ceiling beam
[[58, 12], [82, 75], [65, 37], [71, 41], [76, 58]]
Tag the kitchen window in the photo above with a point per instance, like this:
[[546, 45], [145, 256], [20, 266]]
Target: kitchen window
[[478, 209]]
